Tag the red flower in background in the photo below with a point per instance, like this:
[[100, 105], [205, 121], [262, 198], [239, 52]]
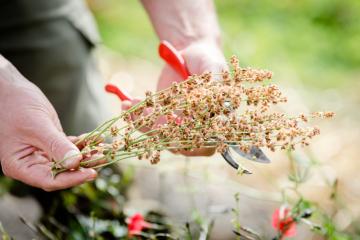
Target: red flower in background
[[283, 222], [136, 224]]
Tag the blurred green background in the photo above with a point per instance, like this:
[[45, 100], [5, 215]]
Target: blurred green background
[[315, 42]]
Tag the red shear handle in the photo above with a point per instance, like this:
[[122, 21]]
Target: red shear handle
[[173, 58], [170, 55], [111, 88]]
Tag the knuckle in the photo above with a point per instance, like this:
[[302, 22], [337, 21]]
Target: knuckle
[[53, 143]]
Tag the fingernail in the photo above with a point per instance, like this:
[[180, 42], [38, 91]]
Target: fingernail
[[90, 179], [91, 175], [72, 159]]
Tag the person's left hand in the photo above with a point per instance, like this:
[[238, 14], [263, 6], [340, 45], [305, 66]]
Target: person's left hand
[[32, 136]]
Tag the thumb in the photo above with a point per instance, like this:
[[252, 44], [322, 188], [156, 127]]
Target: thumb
[[127, 104], [56, 144], [215, 66]]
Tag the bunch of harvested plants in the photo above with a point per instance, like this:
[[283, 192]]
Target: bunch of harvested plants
[[211, 110]]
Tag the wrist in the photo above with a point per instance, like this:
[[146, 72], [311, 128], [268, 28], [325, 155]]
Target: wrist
[[183, 42], [213, 42]]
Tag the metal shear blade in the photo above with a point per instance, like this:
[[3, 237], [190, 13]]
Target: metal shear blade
[[230, 160], [255, 154]]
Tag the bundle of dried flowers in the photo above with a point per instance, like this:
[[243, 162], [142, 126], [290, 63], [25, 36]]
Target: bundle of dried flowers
[[203, 112]]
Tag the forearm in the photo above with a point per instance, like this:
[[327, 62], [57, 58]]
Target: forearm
[[184, 22]]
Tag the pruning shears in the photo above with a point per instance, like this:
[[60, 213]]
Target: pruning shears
[[173, 57]]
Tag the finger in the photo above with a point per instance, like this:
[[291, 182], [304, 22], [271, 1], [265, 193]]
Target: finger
[[36, 171], [94, 160], [205, 152], [73, 139], [21, 168], [56, 144], [167, 77], [126, 105], [68, 179], [22, 153], [215, 67], [80, 143]]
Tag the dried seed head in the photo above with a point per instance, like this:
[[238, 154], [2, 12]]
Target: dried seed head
[[204, 112]]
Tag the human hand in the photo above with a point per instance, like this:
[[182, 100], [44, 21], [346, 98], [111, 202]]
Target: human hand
[[32, 136], [199, 57]]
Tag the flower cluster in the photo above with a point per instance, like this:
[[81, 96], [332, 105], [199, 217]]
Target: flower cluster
[[205, 112], [136, 224], [283, 222]]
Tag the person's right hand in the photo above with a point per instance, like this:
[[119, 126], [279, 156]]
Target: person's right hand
[[202, 56], [32, 137]]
